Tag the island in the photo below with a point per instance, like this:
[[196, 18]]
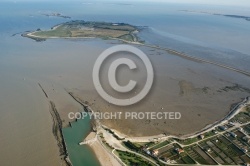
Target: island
[[55, 14], [87, 29], [247, 18]]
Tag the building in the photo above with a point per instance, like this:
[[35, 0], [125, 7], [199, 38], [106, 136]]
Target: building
[[179, 151], [233, 134], [146, 150], [201, 136], [207, 149], [223, 128], [215, 132], [244, 150], [246, 139], [155, 153]]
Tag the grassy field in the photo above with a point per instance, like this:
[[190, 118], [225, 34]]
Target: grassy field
[[164, 143], [76, 29], [188, 141], [133, 159]]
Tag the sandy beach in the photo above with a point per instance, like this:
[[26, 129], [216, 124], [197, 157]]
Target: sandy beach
[[101, 153]]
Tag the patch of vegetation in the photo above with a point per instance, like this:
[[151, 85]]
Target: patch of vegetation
[[209, 134], [160, 145], [105, 142], [139, 144], [79, 29], [187, 159], [150, 144], [131, 159], [114, 135], [131, 146], [61, 31], [228, 148], [127, 37], [187, 141], [242, 117]]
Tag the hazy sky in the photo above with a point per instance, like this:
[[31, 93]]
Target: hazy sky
[[215, 2], [245, 3], [222, 2]]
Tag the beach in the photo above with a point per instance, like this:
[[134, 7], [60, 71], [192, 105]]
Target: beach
[[104, 157]]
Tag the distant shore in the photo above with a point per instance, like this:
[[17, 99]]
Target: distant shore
[[84, 29], [134, 41]]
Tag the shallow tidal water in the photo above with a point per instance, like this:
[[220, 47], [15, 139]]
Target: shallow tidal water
[[79, 155]]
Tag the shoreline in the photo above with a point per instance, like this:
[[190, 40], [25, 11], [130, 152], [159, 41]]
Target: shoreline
[[132, 33], [155, 138], [102, 154], [238, 108], [234, 111], [170, 51]]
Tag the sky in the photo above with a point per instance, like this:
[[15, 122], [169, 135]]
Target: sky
[[244, 3]]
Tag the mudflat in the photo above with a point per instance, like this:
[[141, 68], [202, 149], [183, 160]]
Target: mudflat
[[202, 93]]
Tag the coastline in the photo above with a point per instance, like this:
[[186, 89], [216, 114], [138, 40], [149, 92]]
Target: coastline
[[230, 114], [39, 38], [30, 34], [103, 156], [171, 51], [238, 108], [201, 70], [235, 110], [100, 151]]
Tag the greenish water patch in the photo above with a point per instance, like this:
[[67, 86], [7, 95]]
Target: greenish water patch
[[80, 155]]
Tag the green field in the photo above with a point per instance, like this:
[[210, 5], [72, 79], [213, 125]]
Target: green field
[[82, 29], [133, 159], [164, 143]]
